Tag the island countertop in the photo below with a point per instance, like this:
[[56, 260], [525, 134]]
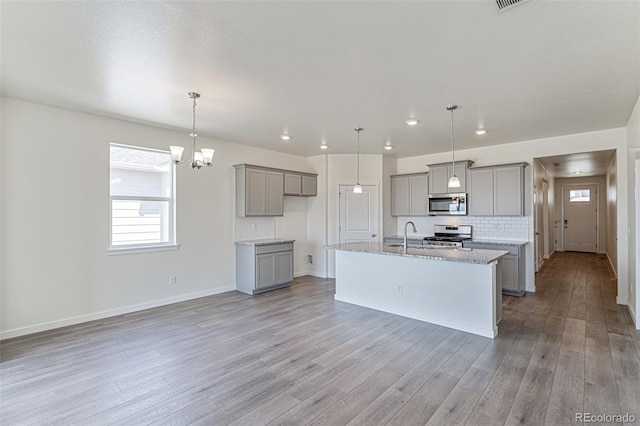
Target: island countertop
[[451, 254]]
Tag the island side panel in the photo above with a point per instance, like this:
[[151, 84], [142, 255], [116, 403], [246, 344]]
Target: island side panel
[[453, 294]]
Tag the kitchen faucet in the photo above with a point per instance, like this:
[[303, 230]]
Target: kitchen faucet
[[405, 234]]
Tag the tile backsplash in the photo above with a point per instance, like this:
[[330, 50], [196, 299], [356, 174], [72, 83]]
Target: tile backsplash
[[509, 228]]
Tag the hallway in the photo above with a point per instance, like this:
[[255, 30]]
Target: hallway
[[584, 348]]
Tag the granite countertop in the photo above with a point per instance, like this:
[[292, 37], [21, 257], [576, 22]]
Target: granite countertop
[[264, 242], [499, 242], [409, 237], [452, 254]]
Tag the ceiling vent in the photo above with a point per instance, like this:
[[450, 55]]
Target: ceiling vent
[[508, 4]]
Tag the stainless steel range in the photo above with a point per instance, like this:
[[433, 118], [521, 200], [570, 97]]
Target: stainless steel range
[[449, 235]]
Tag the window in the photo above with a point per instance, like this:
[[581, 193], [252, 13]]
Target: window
[[579, 195], [142, 190]]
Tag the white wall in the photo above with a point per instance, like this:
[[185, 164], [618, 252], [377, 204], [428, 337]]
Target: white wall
[[540, 174], [389, 168], [55, 219], [633, 179], [612, 216], [528, 150], [317, 216], [604, 209]]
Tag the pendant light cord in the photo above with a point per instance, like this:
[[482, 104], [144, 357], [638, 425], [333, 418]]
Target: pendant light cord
[[358, 180], [194, 134], [453, 151], [358, 129]]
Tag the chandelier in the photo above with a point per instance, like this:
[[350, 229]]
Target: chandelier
[[204, 157]]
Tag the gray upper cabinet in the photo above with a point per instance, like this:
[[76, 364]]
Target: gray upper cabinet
[[439, 175], [292, 184], [480, 199], [497, 191], [260, 190], [409, 195], [274, 193], [309, 186], [300, 184], [508, 184]]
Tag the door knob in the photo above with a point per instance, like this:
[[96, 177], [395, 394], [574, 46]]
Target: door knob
[[374, 235]]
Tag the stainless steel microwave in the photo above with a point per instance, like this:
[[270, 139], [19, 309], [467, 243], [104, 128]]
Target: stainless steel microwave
[[448, 204]]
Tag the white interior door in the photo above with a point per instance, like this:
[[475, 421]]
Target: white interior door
[[580, 221], [358, 214]]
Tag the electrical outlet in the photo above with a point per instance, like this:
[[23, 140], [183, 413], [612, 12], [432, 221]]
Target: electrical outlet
[[254, 227], [309, 258], [399, 289], [172, 279], [501, 227]]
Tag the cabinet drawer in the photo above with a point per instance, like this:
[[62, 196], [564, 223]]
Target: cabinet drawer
[[274, 248]]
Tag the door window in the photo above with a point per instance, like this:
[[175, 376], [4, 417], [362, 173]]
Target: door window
[[579, 195]]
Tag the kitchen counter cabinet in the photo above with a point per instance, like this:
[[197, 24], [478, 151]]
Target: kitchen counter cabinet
[[512, 268], [262, 266], [456, 288]]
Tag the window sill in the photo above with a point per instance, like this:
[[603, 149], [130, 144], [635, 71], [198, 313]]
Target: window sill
[[132, 250]]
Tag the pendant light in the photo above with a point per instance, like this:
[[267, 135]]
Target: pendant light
[[204, 157], [358, 188], [454, 182]]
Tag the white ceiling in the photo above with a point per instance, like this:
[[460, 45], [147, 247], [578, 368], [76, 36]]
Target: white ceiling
[[317, 69]]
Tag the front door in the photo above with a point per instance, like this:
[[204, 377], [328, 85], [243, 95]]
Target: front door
[[358, 214], [580, 222]]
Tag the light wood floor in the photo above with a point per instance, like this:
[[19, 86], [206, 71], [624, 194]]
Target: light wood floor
[[295, 356]]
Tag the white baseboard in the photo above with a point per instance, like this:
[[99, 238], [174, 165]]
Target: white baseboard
[[22, 331], [633, 316], [615, 273], [311, 273]]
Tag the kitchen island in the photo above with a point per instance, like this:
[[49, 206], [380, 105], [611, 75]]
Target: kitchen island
[[453, 287]]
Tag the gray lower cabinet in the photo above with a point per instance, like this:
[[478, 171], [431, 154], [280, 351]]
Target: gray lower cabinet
[[512, 266], [262, 268]]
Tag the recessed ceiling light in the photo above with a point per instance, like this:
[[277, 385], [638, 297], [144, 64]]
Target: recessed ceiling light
[[481, 132], [388, 147], [285, 137], [324, 146], [412, 122], [577, 172]]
